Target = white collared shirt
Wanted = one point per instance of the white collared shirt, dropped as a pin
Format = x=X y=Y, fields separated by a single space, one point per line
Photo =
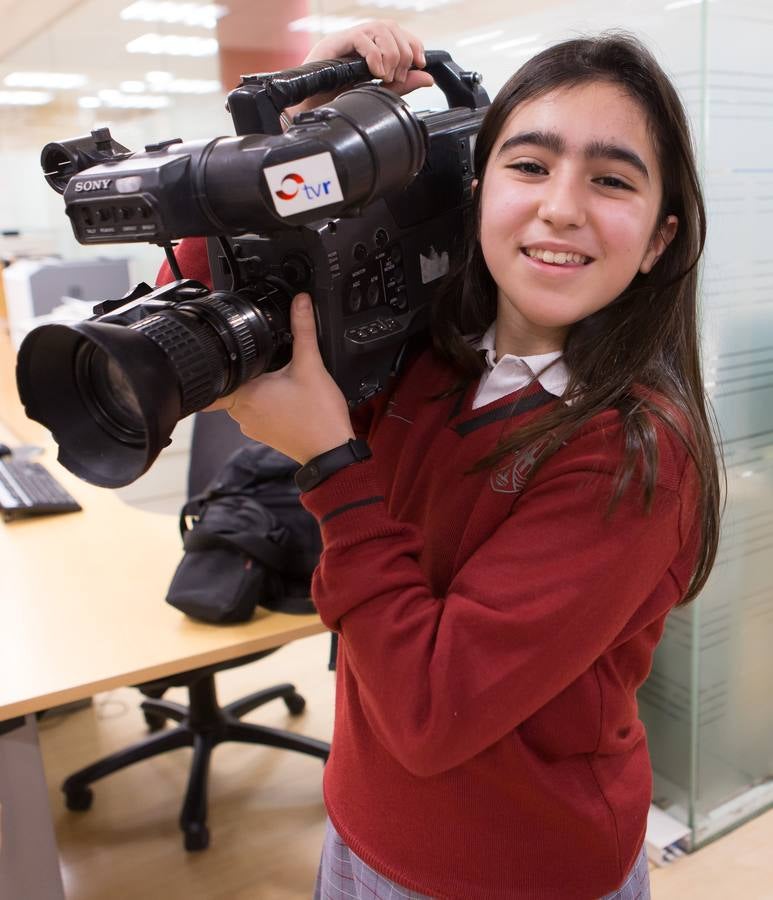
x=510 y=373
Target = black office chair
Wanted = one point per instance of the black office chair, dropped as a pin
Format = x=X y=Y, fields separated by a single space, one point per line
x=203 y=723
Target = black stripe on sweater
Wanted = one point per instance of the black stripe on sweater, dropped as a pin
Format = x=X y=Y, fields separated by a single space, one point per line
x=347 y=506
x=521 y=405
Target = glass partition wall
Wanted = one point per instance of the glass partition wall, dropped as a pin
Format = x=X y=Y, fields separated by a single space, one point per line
x=708 y=704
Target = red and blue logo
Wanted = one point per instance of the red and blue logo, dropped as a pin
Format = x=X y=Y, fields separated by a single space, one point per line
x=293 y=184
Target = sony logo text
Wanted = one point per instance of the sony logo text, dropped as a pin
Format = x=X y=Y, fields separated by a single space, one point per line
x=95 y=184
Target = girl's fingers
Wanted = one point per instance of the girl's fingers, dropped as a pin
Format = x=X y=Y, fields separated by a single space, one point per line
x=417 y=51
x=416 y=79
x=221 y=403
x=366 y=47
x=390 y=52
x=304 y=328
x=406 y=56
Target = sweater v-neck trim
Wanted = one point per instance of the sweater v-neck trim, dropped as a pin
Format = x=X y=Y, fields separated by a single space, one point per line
x=463 y=419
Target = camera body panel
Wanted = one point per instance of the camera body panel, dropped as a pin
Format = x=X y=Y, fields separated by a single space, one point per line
x=371 y=277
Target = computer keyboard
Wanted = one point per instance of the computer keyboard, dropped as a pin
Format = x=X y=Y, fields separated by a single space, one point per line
x=27 y=489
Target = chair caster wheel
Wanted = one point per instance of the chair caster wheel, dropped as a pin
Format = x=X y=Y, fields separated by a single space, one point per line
x=79 y=799
x=295 y=704
x=196 y=838
x=154 y=721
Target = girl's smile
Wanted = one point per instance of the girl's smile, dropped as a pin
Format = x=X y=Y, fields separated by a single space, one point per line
x=556 y=257
x=570 y=204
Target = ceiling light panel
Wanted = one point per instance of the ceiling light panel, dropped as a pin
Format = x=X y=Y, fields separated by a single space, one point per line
x=479 y=38
x=51 y=80
x=112 y=99
x=173 y=45
x=194 y=15
x=407 y=5
x=25 y=98
x=515 y=42
x=323 y=24
x=186 y=86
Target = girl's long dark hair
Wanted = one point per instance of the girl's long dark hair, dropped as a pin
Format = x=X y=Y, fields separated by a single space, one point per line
x=648 y=337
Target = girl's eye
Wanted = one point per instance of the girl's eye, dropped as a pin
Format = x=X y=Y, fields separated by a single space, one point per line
x=528 y=168
x=612 y=182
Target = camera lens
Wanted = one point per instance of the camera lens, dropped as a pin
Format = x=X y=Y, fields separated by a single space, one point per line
x=107 y=393
x=111 y=392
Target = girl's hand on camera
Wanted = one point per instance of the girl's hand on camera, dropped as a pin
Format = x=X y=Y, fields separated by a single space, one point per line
x=299 y=410
x=389 y=51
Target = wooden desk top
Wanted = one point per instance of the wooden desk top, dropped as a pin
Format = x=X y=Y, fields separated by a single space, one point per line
x=82 y=594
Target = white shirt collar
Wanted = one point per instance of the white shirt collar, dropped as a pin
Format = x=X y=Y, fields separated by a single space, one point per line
x=510 y=373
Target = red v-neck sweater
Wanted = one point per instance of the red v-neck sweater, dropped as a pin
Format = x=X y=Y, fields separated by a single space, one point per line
x=493 y=636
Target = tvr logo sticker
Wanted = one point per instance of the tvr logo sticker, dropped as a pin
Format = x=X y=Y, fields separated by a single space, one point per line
x=309 y=183
x=293 y=183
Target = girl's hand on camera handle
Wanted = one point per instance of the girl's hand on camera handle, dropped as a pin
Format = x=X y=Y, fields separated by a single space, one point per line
x=299 y=410
x=389 y=51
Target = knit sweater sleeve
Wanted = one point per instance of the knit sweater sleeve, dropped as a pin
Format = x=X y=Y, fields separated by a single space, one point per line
x=442 y=678
x=193 y=261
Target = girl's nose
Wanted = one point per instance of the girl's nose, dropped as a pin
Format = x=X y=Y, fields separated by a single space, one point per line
x=562 y=203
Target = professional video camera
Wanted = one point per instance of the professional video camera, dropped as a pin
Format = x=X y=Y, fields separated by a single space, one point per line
x=359 y=202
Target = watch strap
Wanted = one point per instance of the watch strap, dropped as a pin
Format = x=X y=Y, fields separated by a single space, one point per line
x=316 y=470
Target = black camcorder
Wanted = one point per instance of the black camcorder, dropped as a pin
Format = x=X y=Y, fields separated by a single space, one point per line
x=361 y=202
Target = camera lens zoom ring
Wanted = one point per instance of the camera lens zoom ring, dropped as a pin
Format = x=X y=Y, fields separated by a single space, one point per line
x=241 y=335
x=196 y=355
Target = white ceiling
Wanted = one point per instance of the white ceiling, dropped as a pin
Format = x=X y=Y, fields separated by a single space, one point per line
x=22 y=21
x=89 y=37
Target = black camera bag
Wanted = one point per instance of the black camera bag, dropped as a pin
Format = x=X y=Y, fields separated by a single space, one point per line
x=248 y=541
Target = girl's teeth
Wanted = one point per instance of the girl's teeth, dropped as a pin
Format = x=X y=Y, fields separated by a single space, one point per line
x=556 y=259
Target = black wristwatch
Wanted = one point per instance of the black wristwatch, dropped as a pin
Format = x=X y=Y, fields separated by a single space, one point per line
x=316 y=470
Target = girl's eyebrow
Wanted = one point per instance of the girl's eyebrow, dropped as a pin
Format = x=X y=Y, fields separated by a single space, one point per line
x=604 y=150
x=555 y=143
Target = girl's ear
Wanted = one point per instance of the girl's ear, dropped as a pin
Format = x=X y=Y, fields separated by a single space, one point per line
x=662 y=237
x=474 y=185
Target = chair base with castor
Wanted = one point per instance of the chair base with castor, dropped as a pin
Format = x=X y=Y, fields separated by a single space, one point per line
x=202 y=725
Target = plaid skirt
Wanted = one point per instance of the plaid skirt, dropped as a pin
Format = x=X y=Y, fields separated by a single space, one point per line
x=344 y=876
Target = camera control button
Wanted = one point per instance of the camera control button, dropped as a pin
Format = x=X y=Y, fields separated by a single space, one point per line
x=373 y=294
x=355 y=299
x=360 y=251
x=400 y=303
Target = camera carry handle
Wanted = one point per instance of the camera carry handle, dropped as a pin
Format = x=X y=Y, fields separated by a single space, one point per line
x=257 y=104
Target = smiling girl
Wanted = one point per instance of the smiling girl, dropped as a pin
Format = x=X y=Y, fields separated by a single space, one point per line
x=522 y=508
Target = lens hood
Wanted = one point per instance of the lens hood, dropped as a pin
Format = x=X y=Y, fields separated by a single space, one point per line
x=93 y=444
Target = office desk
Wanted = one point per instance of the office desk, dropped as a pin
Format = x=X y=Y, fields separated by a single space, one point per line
x=82 y=610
